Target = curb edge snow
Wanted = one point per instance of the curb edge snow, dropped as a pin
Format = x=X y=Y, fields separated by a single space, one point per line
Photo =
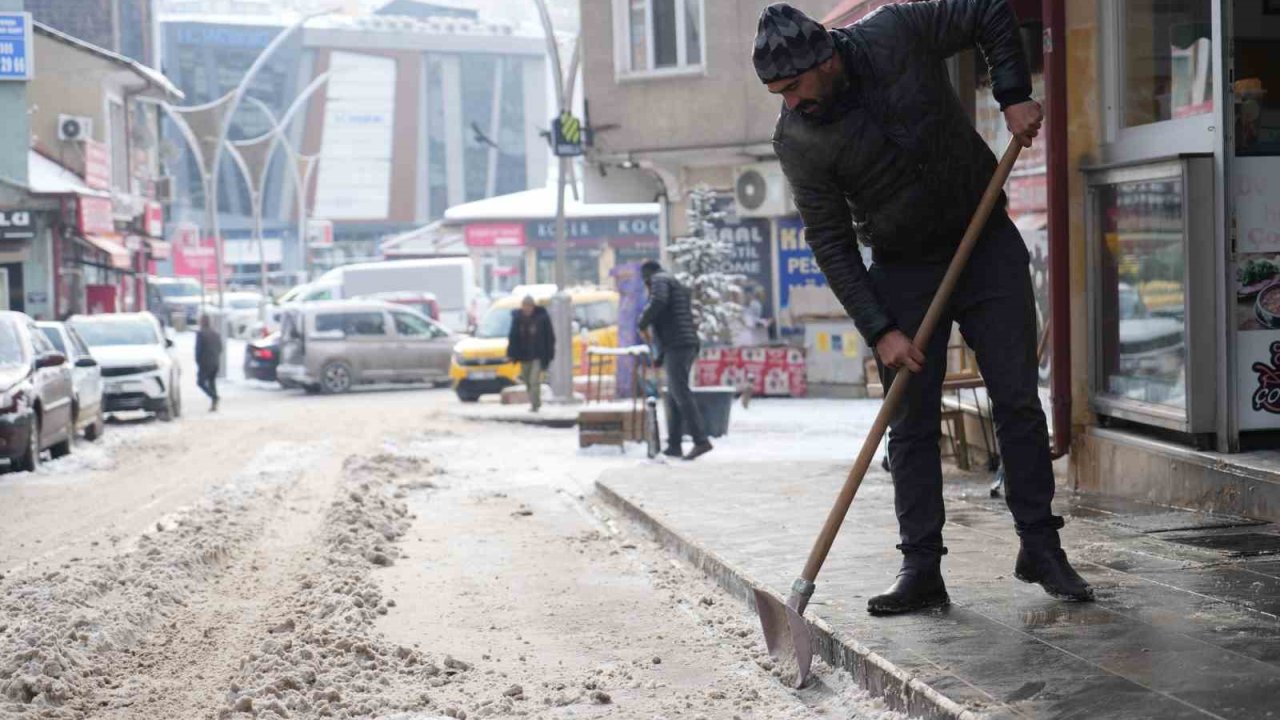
x=873 y=672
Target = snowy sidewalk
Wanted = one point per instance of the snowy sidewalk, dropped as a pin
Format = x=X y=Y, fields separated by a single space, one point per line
x=1185 y=625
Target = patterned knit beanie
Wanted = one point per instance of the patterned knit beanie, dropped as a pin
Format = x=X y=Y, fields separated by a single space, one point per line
x=789 y=43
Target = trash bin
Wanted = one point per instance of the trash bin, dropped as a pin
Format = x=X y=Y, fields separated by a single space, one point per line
x=714 y=404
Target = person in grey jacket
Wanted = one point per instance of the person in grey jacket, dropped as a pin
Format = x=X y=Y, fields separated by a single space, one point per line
x=877 y=148
x=208 y=360
x=669 y=312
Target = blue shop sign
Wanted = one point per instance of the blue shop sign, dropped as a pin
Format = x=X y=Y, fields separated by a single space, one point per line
x=16 y=50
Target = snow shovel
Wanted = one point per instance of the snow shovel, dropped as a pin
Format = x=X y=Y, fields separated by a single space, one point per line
x=785 y=632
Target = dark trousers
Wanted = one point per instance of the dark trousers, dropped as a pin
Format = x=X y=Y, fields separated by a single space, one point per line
x=683 y=415
x=207 y=380
x=995 y=307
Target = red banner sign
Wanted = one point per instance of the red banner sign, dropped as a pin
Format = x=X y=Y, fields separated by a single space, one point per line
x=97 y=165
x=95 y=216
x=193 y=256
x=153 y=220
x=484 y=235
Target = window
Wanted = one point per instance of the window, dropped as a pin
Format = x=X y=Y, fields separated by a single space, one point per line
x=413 y=326
x=356 y=323
x=39 y=341
x=660 y=35
x=1166 y=51
x=54 y=337
x=1141 y=304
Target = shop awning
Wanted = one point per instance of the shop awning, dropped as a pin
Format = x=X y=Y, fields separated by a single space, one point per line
x=113 y=246
x=46 y=177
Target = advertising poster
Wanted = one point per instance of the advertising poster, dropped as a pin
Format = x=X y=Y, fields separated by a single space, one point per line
x=631 y=300
x=355 y=154
x=751 y=259
x=797 y=268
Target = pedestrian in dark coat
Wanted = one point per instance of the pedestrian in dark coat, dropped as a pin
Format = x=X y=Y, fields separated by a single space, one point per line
x=878 y=149
x=208 y=360
x=669 y=314
x=532 y=343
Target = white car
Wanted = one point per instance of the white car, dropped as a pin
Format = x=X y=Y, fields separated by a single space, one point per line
x=137 y=360
x=87 y=409
x=242 y=308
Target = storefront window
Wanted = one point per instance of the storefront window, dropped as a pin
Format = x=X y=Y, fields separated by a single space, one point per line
x=1141 y=303
x=1168 y=60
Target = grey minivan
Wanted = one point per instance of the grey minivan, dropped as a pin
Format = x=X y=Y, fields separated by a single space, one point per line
x=332 y=346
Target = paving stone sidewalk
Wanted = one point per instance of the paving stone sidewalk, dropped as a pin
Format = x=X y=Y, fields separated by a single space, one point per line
x=1186 y=624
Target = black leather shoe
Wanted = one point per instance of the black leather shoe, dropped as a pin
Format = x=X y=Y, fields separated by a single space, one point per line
x=674 y=452
x=1049 y=568
x=698 y=451
x=919 y=586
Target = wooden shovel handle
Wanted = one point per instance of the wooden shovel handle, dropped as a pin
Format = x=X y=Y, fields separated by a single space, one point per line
x=898 y=390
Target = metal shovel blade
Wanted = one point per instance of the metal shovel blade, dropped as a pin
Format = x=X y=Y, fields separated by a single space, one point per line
x=787 y=636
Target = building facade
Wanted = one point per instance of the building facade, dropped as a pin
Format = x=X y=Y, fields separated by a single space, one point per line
x=85 y=228
x=126 y=27
x=419 y=113
x=1160 y=205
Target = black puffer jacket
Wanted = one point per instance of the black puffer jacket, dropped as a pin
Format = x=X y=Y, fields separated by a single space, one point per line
x=532 y=338
x=670 y=313
x=895 y=162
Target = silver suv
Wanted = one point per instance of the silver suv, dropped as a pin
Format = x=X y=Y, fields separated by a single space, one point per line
x=331 y=346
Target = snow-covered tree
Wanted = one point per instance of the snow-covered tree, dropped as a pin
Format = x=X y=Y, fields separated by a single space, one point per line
x=701 y=261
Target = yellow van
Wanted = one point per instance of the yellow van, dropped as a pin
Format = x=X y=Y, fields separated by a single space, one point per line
x=480 y=365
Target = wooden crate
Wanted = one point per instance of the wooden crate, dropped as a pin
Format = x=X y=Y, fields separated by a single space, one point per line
x=609 y=426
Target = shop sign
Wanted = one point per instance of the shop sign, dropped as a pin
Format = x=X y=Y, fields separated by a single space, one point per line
x=193 y=256
x=97 y=165
x=1259 y=381
x=16 y=50
x=320 y=233
x=1256 y=189
x=750 y=258
x=37 y=297
x=491 y=235
x=95 y=216
x=17 y=225
x=618 y=232
x=796 y=265
x=153 y=220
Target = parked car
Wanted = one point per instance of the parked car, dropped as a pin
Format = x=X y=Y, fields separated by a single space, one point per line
x=35 y=394
x=480 y=365
x=242 y=310
x=261 y=357
x=423 y=302
x=87 y=410
x=169 y=295
x=138 y=363
x=332 y=346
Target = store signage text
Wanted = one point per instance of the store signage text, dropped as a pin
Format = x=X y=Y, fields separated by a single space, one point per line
x=487 y=235
x=16 y=48
x=601 y=230
x=95 y=216
x=1266 y=398
x=16 y=225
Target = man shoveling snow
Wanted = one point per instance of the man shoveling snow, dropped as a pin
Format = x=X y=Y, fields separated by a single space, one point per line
x=877 y=149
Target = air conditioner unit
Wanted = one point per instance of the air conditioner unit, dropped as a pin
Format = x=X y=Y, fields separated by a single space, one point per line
x=74 y=128
x=761 y=190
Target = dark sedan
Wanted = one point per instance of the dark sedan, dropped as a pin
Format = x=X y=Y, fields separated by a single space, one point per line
x=261 y=356
x=36 y=394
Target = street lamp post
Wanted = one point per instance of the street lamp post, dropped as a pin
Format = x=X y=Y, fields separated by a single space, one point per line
x=561 y=308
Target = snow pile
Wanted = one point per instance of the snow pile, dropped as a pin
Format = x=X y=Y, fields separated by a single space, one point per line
x=59 y=629
x=99 y=455
x=324 y=658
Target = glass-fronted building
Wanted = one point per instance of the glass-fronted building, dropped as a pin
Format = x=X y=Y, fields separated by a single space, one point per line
x=419 y=113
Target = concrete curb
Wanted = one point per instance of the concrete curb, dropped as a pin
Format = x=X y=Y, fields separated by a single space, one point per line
x=900 y=690
x=550 y=420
